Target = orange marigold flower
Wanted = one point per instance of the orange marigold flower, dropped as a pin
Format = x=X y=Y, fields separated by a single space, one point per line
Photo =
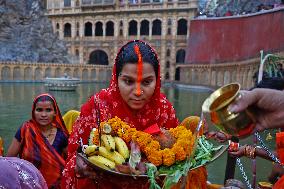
x=168 y=157
x=150 y=147
x=179 y=152
x=156 y=157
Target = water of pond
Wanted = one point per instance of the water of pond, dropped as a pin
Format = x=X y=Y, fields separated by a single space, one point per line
x=16 y=100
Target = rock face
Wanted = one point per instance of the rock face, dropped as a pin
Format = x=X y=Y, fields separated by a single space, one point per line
x=216 y=8
x=26 y=34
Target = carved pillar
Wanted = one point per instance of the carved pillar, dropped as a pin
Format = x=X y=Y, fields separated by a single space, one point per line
x=125 y=27
x=138 y=28
x=163 y=59
x=73 y=29
x=116 y=28
x=104 y=29
x=82 y=25
x=164 y=26
x=173 y=61
x=61 y=29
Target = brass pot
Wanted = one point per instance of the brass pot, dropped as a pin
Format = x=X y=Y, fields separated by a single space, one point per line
x=216 y=105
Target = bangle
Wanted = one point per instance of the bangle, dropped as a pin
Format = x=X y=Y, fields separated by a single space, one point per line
x=250 y=151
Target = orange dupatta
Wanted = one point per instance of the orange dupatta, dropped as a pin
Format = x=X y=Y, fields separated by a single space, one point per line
x=36 y=149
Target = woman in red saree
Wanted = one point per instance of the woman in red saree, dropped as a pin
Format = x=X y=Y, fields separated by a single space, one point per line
x=134 y=96
x=43 y=139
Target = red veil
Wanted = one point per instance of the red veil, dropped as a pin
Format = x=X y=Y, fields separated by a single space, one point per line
x=110 y=103
x=37 y=150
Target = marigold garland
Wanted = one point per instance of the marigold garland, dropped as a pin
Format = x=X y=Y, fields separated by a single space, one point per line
x=150 y=147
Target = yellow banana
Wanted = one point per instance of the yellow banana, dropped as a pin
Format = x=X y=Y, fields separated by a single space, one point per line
x=108 y=142
x=121 y=147
x=113 y=156
x=102 y=162
x=91 y=150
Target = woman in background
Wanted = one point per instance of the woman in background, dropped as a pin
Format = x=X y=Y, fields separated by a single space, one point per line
x=43 y=140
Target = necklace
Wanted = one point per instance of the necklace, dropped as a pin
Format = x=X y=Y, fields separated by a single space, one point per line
x=47 y=136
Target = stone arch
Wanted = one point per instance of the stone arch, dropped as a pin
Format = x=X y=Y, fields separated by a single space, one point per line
x=144 y=29
x=76 y=73
x=213 y=79
x=234 y=76
x=67 y=30
x=99 y=29
x=245 y=78
x=27 y=74
x=88 y=31
x=109 y=28
x=157 y=27
x=77 y=53
x=6 y=73
x=47 y=72
x=85 y=74
x=227 y=77
x=204 y=77
x=220 y=78
x=58 y=72
x=182 y=27
x=38 y=74
x=132 y=28
x=67 y=71
x=250 y=81
x=17 y=73
x=94 y=74
x=99 y=57
x=180 y=56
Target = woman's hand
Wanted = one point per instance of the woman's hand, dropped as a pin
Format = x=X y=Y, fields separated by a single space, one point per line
x=218 y=136
x=82 y=170
x=267 y=105
x=239 y=153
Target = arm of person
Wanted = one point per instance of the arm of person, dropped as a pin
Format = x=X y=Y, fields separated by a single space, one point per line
x=267 y=106
x=14 y=148
x=262 y=153
x=277 y=171
x=251 y=152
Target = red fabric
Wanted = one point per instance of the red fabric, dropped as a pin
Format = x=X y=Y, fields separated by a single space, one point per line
x=37 y=150
x=153 y=129
x=158 y=111
x=280 y=145
x=279 y=184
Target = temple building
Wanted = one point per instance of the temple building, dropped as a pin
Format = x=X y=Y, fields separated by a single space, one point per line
x=94 y=30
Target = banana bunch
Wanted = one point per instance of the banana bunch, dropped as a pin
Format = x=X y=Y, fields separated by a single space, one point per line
x=106 y=156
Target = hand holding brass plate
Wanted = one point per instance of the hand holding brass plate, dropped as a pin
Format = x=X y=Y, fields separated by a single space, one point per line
x=236 y=124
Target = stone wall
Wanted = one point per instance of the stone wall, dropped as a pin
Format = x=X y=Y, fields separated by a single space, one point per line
x=36 y=72
x=216 y=75
x=191 y=74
